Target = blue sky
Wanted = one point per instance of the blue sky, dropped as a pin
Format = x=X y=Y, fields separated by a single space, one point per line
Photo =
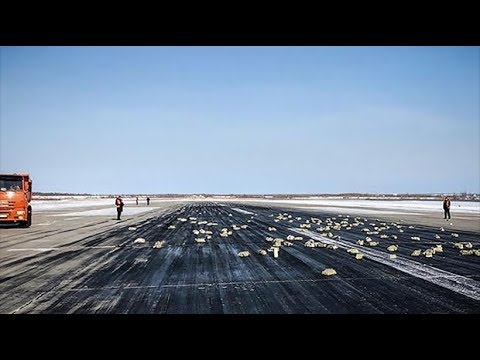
x=242 y=119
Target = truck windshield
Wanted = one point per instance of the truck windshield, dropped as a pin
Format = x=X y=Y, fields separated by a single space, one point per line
x=10 y=183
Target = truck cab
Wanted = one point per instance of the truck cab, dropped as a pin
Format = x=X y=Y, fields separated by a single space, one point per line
x=15 y=197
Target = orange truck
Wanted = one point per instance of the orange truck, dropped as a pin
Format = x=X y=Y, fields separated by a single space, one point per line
x=15 y=197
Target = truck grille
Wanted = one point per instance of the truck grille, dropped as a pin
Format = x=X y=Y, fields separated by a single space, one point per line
x=5 y=204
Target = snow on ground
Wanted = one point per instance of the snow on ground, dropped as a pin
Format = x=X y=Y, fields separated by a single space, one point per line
x=469 y=207
x=53 y=205
x=111 y=211
x=45 y=205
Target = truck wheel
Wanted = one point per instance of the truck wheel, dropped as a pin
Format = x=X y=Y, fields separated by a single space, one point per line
x=29 y=218
x=28 y=223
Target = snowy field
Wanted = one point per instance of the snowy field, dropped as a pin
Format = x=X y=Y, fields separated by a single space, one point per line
x=52 y=205
x=111 y=211
x=390 y=205
x=104 y=207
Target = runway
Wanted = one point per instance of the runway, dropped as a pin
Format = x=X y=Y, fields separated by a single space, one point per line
x=92 y=264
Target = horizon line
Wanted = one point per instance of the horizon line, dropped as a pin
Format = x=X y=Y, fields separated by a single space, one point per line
x=261 y=194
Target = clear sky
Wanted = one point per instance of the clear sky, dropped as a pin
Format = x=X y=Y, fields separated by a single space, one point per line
x=242 y=119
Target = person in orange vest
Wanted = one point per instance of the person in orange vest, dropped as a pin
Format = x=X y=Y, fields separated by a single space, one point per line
x=119 y=206
x=446 y=207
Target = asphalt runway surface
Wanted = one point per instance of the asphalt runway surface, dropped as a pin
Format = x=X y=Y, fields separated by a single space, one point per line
x=93 y=265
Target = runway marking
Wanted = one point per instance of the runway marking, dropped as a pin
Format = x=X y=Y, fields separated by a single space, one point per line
x=457 y=283
x=44 y=224
x=243 y=211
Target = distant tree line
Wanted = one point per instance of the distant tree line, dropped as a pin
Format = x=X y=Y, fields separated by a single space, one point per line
x=464 y=196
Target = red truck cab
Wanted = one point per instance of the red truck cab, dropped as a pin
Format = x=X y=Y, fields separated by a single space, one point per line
x=15 y=197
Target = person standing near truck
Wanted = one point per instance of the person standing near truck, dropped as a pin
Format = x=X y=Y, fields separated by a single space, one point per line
x=119 y=206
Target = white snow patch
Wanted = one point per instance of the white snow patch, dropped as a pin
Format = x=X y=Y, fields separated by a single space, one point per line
x=40 y=204
x=46 y=205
